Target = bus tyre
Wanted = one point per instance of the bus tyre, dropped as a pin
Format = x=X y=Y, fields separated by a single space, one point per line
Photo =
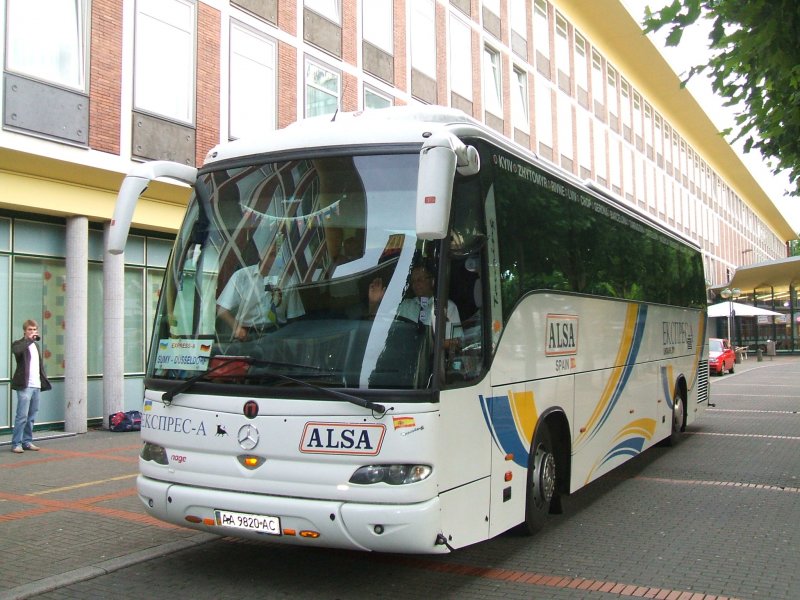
x=678 y=414
x=541 y=488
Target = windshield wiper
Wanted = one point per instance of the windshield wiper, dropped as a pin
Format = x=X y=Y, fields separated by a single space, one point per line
x=185 y=385
x=167 y=396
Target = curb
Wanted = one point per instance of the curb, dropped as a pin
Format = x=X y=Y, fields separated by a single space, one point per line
x=48 y=584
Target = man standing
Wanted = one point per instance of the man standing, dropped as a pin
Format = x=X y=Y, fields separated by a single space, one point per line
x=29 y=379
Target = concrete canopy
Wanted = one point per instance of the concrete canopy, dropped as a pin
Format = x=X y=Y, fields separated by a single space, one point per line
x=776 y=274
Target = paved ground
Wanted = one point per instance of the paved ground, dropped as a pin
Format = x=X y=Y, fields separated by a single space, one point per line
x=718 y=516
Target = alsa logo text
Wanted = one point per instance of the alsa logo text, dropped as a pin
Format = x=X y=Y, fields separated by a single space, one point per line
x=561 y=335
x=342 y=438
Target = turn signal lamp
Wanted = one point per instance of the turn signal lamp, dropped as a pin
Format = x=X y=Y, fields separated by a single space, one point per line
x=250 y=461
x=309 y=534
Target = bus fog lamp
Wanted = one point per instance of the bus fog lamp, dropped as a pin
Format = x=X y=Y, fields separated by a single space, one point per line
x=154 y=452
x=399 y=474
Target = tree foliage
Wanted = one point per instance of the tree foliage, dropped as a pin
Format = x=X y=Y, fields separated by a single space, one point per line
x=754 y=65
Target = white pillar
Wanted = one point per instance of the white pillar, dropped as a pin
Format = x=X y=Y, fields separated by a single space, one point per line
x=113 y=331
x=75 y=325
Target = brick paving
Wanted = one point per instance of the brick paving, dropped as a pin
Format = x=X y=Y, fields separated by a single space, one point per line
x=717 y=516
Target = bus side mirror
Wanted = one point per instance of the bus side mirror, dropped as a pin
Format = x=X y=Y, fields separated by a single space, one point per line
x=439 y=159
x=134 y=184
x=437 y=168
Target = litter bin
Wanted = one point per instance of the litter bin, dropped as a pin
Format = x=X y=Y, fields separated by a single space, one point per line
x=770 y=348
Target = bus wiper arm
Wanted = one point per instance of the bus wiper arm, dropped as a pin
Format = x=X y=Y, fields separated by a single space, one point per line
x=167 y=396
x=374 y=406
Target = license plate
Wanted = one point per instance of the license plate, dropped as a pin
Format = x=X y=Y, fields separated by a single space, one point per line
x=259 y=523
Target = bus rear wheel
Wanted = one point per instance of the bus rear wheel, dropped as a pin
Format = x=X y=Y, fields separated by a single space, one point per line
x=678 y=414
x=541 y=488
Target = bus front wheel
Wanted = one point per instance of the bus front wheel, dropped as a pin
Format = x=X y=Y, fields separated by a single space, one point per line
x=541 y=489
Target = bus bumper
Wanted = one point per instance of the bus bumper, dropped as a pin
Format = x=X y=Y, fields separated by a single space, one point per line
x=407 y=528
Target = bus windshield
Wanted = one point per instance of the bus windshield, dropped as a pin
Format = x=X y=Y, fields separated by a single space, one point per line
x=298 y=269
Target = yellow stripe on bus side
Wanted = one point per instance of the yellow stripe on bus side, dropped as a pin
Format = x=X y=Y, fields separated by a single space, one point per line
x=613 y=381
x=523 y=407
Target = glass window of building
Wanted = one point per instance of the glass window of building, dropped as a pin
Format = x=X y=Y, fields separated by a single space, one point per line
x=323 y=89
x=627 y=173
x=638 y=179
x=598 y=85
x=423 y=37
x=47 y=39
x=564 y=116
x=614 y=165
x=600 y=156
x=164 y=72
x=542 y=98
x=562 y=53
x=625 y=109
x=38 y=293
x=252 y=108
x=330 y=9
x=581 y=65
x=584 y=148
x=519 y=18
x=492 y=81
x=13 y=330
x=541 y=36
x=460 y=58
x=611 y=96
x=375 y=99
x=520 y=113
x=378 y=24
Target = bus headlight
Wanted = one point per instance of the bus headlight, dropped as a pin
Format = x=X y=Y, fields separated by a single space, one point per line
x=158 y=454
x=391 y=474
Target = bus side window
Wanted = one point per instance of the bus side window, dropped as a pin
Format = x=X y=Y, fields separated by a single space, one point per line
x=467 y=242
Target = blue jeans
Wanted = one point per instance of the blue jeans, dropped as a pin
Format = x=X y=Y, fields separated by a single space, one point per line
x=27 y=407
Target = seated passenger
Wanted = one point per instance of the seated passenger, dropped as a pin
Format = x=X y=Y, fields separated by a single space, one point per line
x=419 y=308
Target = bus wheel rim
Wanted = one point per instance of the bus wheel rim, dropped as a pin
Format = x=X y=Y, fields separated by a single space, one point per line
x=677 y=414
x=546 y=479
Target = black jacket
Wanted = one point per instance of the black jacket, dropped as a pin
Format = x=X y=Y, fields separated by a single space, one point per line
x=20 y=379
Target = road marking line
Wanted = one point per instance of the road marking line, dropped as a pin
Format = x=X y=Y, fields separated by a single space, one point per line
x=738 y=484
x=753 y=410
x=746 y=435
x=82 y=485
x=716 y=395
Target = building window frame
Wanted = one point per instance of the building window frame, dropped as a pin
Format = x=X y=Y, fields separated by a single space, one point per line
x=164 y=72
x=325 y=82
x=252 y=81
x=48 y=40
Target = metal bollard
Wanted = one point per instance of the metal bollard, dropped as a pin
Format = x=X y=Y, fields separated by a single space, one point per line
x=760 y=355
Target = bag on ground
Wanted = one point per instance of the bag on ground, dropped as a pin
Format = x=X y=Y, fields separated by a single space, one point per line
x=125 y=421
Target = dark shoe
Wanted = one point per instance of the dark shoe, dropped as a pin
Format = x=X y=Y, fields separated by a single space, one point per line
x=17 y=450
x=31 y=447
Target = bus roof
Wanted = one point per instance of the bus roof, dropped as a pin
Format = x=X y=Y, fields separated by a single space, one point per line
x=397 y=124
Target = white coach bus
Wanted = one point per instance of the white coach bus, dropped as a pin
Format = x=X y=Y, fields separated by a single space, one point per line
x=303 y=388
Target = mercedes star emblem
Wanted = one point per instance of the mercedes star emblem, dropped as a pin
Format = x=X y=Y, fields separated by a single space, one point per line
x=248 y=437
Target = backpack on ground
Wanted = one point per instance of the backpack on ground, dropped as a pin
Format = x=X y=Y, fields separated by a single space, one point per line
x=125 y=421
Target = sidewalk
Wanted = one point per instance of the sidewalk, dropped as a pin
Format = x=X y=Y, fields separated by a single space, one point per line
x=752 y=362
x=70 y=512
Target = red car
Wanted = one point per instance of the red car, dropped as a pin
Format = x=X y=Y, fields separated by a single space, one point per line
x=721 y=356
